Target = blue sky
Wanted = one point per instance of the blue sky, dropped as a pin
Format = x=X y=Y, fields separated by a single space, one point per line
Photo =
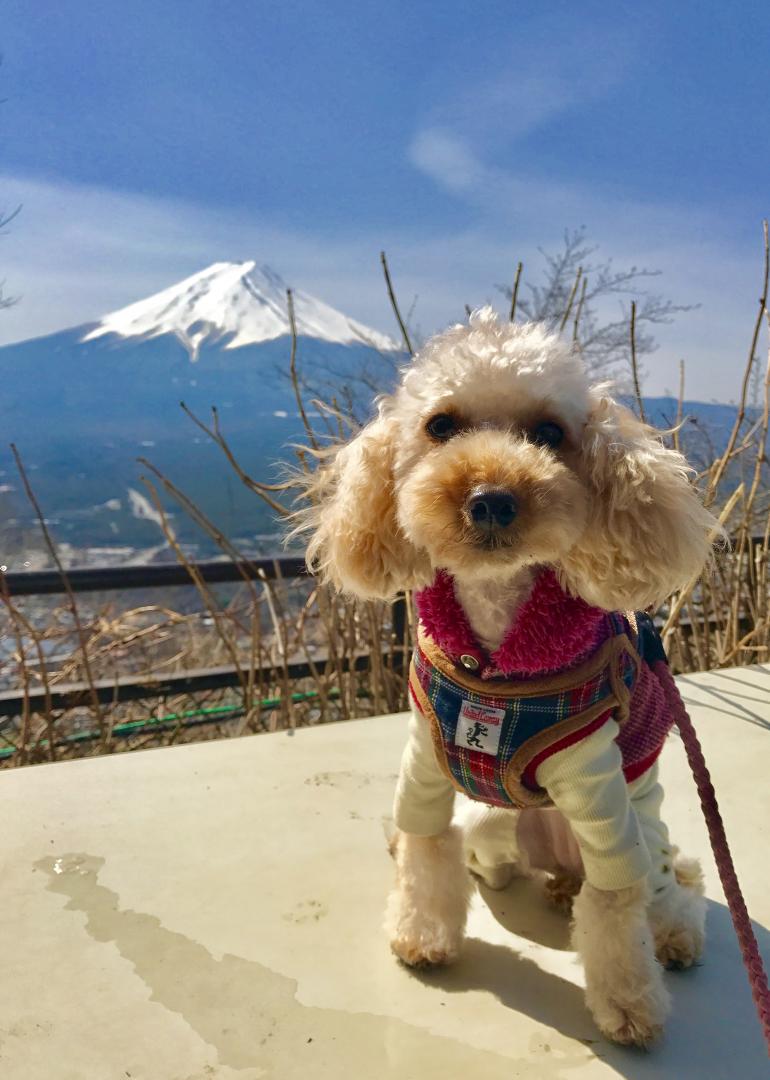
x=146 y=140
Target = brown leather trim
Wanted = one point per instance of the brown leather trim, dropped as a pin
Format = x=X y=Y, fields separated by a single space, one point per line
x=619 y=688
x=618 y=700
x=507 y=688
x=512 y=778
x=523 y=797
x=429 y=713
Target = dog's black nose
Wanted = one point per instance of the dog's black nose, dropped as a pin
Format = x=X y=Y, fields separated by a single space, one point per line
x=491 y=508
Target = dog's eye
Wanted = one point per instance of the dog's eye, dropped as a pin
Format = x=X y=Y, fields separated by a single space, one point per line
x=548 y=434
x=442 y=426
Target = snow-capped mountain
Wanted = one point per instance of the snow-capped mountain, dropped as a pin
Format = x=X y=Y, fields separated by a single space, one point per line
x=84 y=403
x=238 y=304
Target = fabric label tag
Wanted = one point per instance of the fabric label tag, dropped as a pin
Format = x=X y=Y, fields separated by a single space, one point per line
x=479 y=727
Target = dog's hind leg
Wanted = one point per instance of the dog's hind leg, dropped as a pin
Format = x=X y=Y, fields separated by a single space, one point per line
x=427 y=909
x=678 y=915
x=561 y=889
x=491 y=847
x=677 y=911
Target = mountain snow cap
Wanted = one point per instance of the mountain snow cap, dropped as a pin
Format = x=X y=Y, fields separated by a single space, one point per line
x=239 y=301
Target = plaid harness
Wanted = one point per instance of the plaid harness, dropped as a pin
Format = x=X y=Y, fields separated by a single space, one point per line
x=491 y=735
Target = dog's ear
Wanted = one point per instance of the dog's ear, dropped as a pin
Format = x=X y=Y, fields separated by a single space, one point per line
x=355 y=540
x=648 y=532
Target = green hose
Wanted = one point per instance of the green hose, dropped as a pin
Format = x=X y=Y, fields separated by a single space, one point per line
x=129 y=727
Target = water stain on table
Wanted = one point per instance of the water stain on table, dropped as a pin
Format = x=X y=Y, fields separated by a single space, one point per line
x=252 y=1017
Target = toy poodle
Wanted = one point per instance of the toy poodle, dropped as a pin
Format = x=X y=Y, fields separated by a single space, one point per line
x=536 y=519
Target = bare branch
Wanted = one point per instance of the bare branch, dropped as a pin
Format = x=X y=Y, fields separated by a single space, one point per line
x=293 y=370
x=73 y=606
x=721 y=465
x=578 y=313
x=635 y=366
x=679 y=408
x=394 y=304
x=515 y=291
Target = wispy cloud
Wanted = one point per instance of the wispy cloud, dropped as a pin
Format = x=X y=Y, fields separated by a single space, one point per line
x=447 y=159
x=522 y=81
x=474 y=143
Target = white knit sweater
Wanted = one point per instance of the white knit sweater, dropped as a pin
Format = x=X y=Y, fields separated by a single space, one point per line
x=617 y=825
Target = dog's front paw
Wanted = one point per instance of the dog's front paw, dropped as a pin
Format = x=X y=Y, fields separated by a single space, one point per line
x=637 y=1022
x=624 y=982
x=426 y=911
x=420 y=937
x=429 y=945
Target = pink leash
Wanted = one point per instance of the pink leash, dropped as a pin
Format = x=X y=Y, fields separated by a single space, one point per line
x=732 y=890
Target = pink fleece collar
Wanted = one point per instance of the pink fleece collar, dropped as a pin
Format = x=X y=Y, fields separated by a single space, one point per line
x=551 y=631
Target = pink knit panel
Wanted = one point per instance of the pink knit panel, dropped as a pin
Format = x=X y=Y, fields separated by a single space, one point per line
x=650 y=720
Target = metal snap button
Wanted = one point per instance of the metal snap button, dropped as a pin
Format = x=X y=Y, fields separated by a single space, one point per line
x=469 y=662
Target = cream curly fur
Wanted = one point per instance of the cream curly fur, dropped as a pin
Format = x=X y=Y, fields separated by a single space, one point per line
x=611 y=509
x=615 y=511
x=356 y=542
x=624 y=981
x=428 y=907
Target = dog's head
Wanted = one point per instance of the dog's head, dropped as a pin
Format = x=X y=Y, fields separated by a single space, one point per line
x=496 y=453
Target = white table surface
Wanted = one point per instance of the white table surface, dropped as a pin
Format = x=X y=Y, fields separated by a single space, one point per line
x=213 y=912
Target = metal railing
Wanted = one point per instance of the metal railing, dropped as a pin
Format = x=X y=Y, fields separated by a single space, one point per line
x=117 y=578
x=127 y=688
